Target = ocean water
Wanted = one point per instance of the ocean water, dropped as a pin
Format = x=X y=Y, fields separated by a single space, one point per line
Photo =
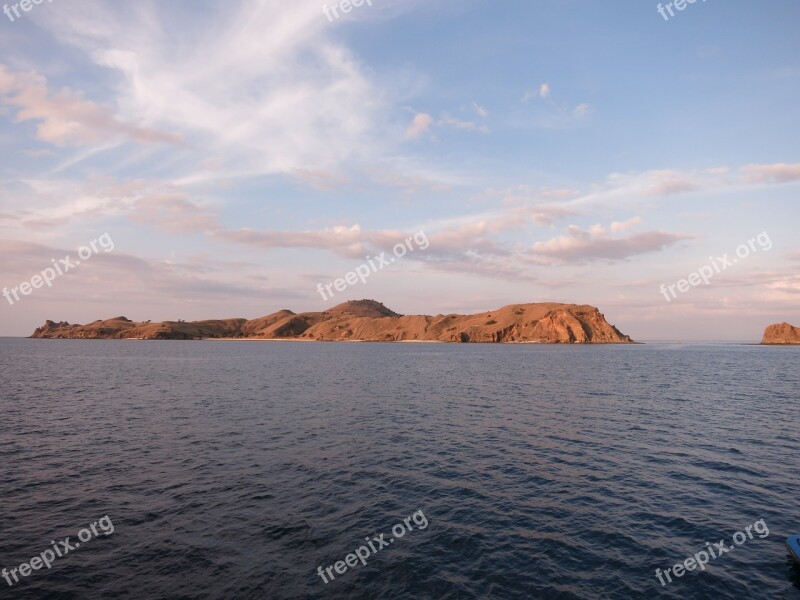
x=235 y=470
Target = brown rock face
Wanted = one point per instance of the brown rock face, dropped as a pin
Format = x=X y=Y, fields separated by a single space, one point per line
x=97 y=330
x=368 y=320
x=781 y=333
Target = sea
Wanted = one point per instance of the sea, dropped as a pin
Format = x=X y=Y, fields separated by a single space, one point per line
x=272 y=470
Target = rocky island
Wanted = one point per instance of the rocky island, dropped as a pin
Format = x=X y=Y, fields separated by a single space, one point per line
x=369 y=320
x=781 y=333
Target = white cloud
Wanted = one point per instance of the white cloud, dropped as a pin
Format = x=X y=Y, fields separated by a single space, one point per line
x=265 y=89
x=582 y=110
x=479 y=110
x=454 y=123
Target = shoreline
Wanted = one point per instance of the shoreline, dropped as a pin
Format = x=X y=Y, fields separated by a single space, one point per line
x=536 y=343
x=526 y=343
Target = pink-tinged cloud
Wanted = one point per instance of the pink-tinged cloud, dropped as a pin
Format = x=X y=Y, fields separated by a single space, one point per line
x=321 y=179
x=774 y=173
x=617 y=226
x=668 y=182
x=64 y=117
x=595 y=244
x=419 y=125
x=173 y=212
x=344 y=240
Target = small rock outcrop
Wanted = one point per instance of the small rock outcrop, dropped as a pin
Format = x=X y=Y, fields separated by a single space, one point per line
x=781 y=333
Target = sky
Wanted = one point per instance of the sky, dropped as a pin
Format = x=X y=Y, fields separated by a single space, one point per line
x=230 y=159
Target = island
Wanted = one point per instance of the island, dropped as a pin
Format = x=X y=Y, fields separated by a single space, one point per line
x=781 y=334
x=371 y=321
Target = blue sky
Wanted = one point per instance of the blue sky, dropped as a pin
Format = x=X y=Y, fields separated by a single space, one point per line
x=240 y=153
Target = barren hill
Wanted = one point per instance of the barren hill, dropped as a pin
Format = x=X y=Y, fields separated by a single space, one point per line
x=781 y=333
x=368 y=320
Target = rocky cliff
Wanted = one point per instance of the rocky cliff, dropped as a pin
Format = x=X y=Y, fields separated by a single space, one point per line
x=368 y=320
x=781 y=333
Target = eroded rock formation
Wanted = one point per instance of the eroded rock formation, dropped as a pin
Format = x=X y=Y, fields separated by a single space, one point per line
x=781 y=333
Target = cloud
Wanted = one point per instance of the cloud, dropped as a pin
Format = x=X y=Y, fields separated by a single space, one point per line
x=595 y=244
x=582 y=110
x=64 y=117
x=479 y=110
x=118 y=282
x=527 y=194
x=466 y=244
x=49 y=204
x=38 y=152
x=552 y=114
x=321 y=179
x=267 y=87
x=413 y=178
x=784 y=287
x=616 y=227
x=660 y=183
x=771 y=173
x=543 y=92
x=173 y=212
x=652 y=183
x=343 y=240
x=420 y=124
x=423 y=122
x=452 y=122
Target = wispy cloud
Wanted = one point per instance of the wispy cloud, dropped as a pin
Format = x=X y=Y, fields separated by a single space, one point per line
x=479 y=110
x=582 y=110
x=173 y=212
x=774 y=173
x=661 y=183
x=268 y=91
x=449 y=121
x=598 y=244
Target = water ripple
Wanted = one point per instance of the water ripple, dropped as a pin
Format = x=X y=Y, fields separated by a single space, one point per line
x=234 y=470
